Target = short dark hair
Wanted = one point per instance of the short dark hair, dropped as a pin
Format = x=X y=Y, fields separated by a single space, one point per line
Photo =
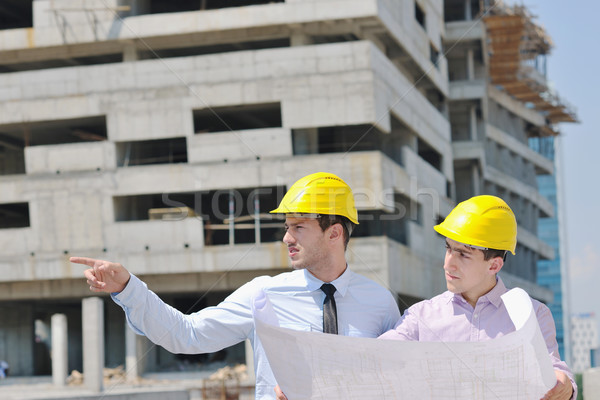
x=493 y=253
x=325 y=221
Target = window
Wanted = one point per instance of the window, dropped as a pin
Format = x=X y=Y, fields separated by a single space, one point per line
x=157 y=52
x=243 y=212
x=321 y=39
x=146 y=152
x=340 y=139
x=390 y=224
x=65 y=61
x=236 y=118
x=381 y=223
x=434 y=56
x=15 y=137
x=429 y=154
x=198 y=50
x=14 y=215
x=12 y=159
x=459 y=10
x=39 y=133
x=168 y=6
x=16 y=14
x=241 y=215
x=420 y=15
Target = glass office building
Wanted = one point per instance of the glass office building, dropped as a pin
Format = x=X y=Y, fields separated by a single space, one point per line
x=552 y=273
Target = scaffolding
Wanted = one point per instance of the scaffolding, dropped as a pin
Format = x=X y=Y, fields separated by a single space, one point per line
x=517 y=48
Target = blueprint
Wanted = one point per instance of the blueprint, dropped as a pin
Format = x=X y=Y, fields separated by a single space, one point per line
x=313 y=365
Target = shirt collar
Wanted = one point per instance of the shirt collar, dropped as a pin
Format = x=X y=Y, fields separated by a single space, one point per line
x=341 y=283
x=493 y=296
x=449 y=296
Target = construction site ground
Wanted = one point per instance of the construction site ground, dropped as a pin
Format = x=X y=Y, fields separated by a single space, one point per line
x=158 y=386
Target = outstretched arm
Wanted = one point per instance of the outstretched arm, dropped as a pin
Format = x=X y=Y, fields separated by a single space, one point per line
x=104 y=276
x=208 y=330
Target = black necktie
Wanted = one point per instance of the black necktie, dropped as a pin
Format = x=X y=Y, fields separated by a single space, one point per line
x=329 y=310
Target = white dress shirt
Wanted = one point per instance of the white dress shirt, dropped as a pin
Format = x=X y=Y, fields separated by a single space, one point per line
x=364 y=309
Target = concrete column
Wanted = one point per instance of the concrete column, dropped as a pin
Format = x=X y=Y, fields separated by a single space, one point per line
x=306 y=141
x=93 y=342
x=473 y=122
x=299 y=38
x=131 y=360
x=146 y=354
x=470 y=64
x=250 y=361
x=130 y=52
x=60 y=359
x=476 y=186
x=468 y=15
x=404 y=137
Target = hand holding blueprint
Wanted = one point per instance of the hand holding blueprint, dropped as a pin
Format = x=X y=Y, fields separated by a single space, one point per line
x=312 y=365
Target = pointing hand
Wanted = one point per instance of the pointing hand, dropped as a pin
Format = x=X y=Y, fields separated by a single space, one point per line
x=104 y=276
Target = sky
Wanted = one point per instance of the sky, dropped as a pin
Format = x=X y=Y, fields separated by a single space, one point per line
x=574 y=71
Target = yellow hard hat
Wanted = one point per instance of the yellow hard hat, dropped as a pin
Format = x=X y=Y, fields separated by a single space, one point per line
x=319 y=193
x=482 y=221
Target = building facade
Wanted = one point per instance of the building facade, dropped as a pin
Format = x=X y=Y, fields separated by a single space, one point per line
x=159 y=134
x=553 y=273
x=585 y=341
x=504 y=119
x=498 y=100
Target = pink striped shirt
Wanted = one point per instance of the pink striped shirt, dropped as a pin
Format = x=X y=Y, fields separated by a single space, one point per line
x=448 y=317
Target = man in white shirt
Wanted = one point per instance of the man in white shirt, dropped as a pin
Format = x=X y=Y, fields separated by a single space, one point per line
x=320 y=216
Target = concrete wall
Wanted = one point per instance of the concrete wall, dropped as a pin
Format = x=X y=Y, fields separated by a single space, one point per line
x=73 y=212
x=313 y=86
x=70 y=157
x=49 y=16
x=240 y=145
x=66 y=24
x=367 y=172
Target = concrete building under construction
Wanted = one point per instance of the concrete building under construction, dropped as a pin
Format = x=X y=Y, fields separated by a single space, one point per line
x=159 y=134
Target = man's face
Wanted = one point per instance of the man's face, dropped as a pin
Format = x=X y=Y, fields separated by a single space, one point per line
x=467 y=272
x=305 y=241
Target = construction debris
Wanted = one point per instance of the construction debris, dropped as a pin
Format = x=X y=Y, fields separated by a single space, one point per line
x=75 y=378
x=238 y=373
x=225 y=384
x=111 y=376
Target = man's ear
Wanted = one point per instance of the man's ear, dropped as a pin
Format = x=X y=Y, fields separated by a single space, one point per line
x=336 y=232
x=496 y=265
